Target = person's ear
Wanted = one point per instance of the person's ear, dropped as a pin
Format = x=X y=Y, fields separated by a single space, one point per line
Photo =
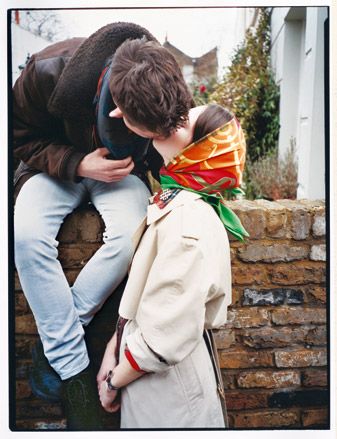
x=117 y=112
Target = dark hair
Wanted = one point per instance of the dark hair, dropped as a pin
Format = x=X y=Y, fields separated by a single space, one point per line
x=213 y=117
x=147 y=84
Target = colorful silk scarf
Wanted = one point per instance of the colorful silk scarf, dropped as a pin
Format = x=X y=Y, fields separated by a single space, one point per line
x=211 y=167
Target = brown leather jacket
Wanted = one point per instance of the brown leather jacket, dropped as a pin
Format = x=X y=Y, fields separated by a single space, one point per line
x=53 y=111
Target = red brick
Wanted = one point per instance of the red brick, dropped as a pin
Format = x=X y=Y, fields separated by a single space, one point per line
x=21 y=305
x=92 y=231
x=17 y=284
x=315 y=417
x=243 y=400
x=273 y=252
x=277 y=220
x=252 y=217
x=269 y=379
x=72 y=256
x=237 y=294
x=240 y=359
x=249 y=274
x=39 y=409
x=22 y=389
x=22 y=369
x=301 y=358
x=269 y=337
x=229 y=379
x=248 y=317
x=317 y=294
x=297 y=315
x=70 y=229
x=23 y=345
x=71 y=275
x=224 y=338
x=316 y=336
x=298 y=273
x=300 y=217
x=315 y=378
x=266 y=418
x=25 y=324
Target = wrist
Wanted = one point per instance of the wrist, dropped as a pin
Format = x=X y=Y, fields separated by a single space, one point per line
x=110 y=385
x=80 y=171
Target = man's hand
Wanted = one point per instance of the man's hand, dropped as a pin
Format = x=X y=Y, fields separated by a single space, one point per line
x=107 y=398
x=96 y=166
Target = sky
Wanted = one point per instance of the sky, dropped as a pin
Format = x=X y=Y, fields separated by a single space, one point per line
x=195 y=31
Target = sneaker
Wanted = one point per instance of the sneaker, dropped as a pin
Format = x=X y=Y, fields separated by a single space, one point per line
x=44 y=381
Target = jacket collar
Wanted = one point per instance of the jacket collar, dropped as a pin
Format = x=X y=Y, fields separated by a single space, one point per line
x=154 y=213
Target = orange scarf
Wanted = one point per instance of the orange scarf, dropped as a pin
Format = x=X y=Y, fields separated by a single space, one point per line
x=212 y=166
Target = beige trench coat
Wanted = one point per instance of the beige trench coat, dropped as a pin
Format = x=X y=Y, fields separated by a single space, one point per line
x=179 y=284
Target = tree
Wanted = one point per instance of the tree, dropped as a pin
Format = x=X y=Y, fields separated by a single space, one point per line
x=43 y=23
x=248 y=89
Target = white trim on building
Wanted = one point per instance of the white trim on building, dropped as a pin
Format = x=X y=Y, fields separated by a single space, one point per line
x=297 y=56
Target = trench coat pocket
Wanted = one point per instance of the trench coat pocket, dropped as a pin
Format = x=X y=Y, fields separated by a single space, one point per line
x=190 y=383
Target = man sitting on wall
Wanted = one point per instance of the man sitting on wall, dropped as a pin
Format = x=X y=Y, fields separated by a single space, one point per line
x=74 y=145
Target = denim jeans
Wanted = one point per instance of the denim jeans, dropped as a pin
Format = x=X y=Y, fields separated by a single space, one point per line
x=61 y=311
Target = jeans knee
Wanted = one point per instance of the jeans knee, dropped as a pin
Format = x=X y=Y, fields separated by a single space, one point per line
x=32 y=245
x=120 y=246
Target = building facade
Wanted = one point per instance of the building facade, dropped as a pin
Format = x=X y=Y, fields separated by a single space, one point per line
x=195 y=69
x=298 y=55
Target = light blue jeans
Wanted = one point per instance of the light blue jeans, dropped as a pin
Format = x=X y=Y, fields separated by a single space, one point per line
x=61 y=311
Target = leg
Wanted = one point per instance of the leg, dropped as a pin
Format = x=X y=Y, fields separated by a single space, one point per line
x=40 y=210
x=122 y=206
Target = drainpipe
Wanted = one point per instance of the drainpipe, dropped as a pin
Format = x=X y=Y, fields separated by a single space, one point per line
x=17 y=17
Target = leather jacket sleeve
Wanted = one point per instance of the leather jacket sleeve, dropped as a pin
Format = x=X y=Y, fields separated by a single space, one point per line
x=38 y=137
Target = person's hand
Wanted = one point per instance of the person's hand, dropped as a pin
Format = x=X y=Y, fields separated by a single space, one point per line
x=107 y=398
x=108 y=362
x=96 y=166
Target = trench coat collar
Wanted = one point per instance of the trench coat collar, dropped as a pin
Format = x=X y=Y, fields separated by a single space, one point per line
x=154 y=213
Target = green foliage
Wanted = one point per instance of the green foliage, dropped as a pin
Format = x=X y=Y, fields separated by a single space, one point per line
x=249 y=90
x=202 y=90
x=271 y=177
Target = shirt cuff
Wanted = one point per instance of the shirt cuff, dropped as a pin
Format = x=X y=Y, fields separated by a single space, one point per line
x=132 y=361
x=68 y=168
x=146 y=359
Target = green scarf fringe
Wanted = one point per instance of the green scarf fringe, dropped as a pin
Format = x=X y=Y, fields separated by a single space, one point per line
x=229 y=219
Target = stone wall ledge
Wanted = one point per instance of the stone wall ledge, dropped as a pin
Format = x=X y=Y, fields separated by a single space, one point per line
x=282 y=219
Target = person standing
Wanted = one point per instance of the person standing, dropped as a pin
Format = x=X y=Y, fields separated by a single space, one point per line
x=160 y=366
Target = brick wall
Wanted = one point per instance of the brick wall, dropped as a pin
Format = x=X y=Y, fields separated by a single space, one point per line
x=273 y=348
